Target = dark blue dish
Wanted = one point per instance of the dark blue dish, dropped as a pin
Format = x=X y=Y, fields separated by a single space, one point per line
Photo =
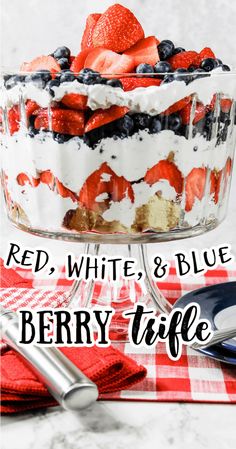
x=213 y=300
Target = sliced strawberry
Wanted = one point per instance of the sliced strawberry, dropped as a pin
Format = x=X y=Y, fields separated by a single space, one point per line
x=30 y=107
x=144 y=51
x=204 y=54
x=225 y=104
x=104 y=181
x=200 y=112
x=78 y=62
x=195 y=186
x=75 y=101
x=64 y=121
x=109 y=62
x=13 y=119
x=177 y=106
x=165 y=170
x=183 y=60
x=46 y=177
x=24 y=179
x=131 y=83
x=42 y=63
x=117 y=29
x=88 y=32
x=64 y=191
x=103 y=116
x=215 y=181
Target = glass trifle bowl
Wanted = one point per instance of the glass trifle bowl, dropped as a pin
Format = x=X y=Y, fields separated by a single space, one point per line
x=119 y=160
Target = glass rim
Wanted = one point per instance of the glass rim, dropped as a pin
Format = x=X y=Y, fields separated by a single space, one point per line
x=11 y=71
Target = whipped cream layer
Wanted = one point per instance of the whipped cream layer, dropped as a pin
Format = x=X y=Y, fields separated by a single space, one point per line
x=73 y=161
x=152 y=100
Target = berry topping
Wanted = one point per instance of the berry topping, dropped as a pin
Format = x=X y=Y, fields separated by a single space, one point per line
x=208 y=64
x=114 y=82
x=79 y=61
x=183 y=60
x=103 y=116
x=62 y=120
x=51 y=84
x=225 y=68
x=144 y=68
x=89 y=76
x=42 y=63
x=195 y=186
x=88 y=32
x=204 y=54
x=117 y=29
x=64 y=191
x=104 y=182
x=141 y=121
x=178 y=50
x=156 y=125
x=165 y=49
x=61 y=52
x=131 y=83
x=162 y=67
x=165 y=170
x=200 y=112
x=67 y=76
x=13 y=119
x=109 y=62
x=144 y=52
x=75 y=101
x=63 y=63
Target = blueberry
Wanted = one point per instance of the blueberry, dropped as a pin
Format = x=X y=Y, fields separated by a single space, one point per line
x=61 y=52
x=114 y=82
x=63 y=63
x=36 y=78
x=168 y=78
x=180 y=75
x=12 y=81
x=155 y=126
x=32 y=131
x=162 y=67
x=174 y=122
x=125 y=125
x=192 y=68
x=61 y=138
x=141 y=121
x=208 y=64
x=144 y=68
x=52 y=83
x=165 y=49
x=225 y=68
x=199 y=73
x=91 y=78
x=67 y=76
x=219 y=62
x=45 y=75
x=178 y=50
x=87 y=70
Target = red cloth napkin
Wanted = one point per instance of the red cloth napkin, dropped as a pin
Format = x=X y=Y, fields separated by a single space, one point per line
x=21 y=390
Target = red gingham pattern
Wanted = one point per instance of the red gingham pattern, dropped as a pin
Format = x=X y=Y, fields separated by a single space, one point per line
x=194 y=378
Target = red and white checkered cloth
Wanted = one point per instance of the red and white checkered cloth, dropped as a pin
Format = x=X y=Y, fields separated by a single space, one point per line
x=194 y=378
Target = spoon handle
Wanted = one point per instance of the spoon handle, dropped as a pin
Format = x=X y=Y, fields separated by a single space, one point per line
x=218 y=337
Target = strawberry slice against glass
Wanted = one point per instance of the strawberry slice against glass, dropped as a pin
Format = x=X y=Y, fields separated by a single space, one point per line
x=165 y=170
x=103 y=186
x=63 y=121
x=75 y=101
x=41 y=63
x=103 y=116
x=131 y=82
x=195 y=186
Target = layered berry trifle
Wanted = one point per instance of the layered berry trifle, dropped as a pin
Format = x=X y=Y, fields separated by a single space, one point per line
x=132 y=136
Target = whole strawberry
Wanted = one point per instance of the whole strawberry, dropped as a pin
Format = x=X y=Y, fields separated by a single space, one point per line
x=117 y=29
